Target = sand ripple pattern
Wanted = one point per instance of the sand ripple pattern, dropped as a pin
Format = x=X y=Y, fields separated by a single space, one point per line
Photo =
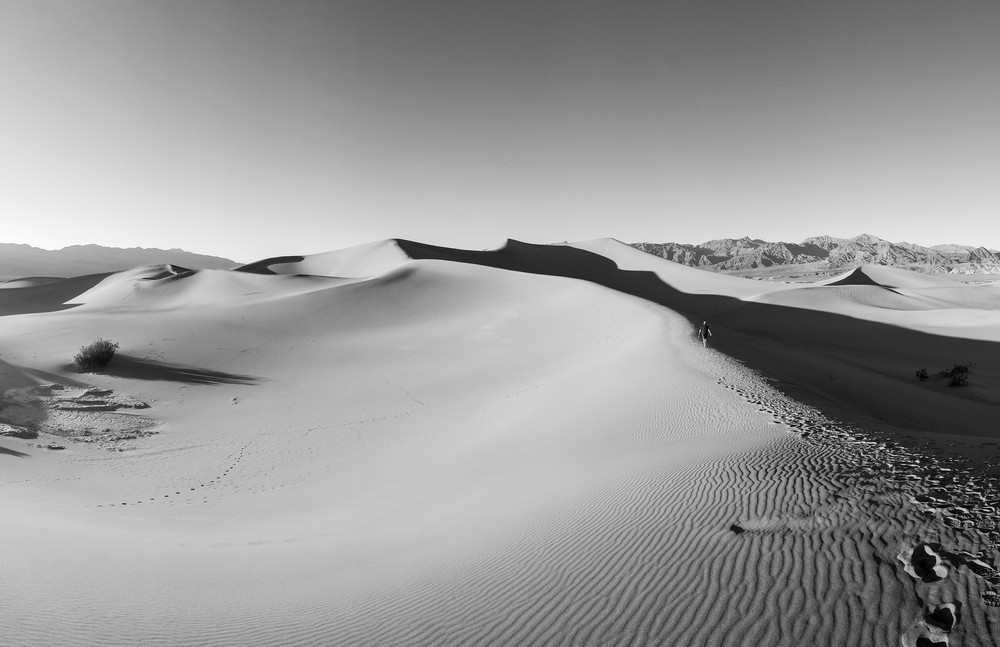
x=779 y=527
x=791 y=544
x=795 y=541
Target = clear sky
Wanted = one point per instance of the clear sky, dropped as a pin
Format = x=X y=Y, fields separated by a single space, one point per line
x=251 y=129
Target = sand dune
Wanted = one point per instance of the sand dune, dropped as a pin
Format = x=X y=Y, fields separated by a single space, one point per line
x=167 y=288
x=357 y=262
x=35 y=297
x=857 y=367
x=401 y=444
x=27 y=282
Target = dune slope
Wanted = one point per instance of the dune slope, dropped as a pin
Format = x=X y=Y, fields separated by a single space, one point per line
x=849 y=350
x=447 y=453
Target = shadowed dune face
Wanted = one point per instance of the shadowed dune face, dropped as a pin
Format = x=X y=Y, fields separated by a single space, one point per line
x=264 y=266
x=47 y=297
x=479 y=454
x=856 y=277
x=28 y=281
x=845 y=366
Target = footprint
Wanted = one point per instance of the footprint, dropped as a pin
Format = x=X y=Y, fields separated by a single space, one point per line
x=933 y=629
x=925 y=562
x=944 y=616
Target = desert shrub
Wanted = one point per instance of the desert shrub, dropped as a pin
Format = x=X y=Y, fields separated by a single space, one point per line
x=958 y=375
x=922 y=374
x=95 y=355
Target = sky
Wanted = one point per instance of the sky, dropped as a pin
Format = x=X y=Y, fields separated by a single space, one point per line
x=250 y=129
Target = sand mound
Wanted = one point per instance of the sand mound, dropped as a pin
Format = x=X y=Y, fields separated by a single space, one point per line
x=519 y=447
x=952 y=310
x=888 y=277
x=852 y=354
x=164 y=288
x=355 y=262
x=856 y=276
x=45 y=297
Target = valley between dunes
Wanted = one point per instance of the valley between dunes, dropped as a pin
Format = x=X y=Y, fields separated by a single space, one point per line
x=402 y=444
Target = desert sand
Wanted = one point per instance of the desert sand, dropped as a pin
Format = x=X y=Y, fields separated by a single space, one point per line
x=402 y=444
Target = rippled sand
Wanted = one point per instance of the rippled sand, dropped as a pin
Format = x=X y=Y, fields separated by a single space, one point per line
x=421 y=452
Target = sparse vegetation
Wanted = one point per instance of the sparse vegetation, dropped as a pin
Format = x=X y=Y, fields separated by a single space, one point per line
x=958 y=375
x=95 y=355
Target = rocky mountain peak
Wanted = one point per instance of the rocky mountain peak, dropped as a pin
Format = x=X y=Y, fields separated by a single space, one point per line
x=826 y=253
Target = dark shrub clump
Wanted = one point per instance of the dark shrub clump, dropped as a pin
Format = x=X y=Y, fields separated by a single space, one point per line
x=95 y=355
x=958 y=375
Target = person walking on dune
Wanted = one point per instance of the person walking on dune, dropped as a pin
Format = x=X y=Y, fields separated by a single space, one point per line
x=704 y=333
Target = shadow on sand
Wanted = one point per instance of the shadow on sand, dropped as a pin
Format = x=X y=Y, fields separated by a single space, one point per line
x=14 y=376
x=47 y=297
x=264 y=266
x=846 y=367
x=146 y=369
x=12 y=452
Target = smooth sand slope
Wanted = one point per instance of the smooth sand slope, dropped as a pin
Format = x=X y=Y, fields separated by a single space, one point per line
x=400 y=444
x=851 y=349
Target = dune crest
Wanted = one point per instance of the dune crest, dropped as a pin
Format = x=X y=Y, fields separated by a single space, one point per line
x=409 y=444
x=362 y=261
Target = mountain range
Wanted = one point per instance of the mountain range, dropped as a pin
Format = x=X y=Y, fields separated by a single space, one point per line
x=21 y=261
x=748 y=257
x=821 y=255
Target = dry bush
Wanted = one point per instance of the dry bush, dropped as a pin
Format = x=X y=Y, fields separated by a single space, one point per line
x=958 y=375
x=95 y=355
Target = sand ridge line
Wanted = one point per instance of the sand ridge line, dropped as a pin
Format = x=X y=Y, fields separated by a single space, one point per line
x=601 y=515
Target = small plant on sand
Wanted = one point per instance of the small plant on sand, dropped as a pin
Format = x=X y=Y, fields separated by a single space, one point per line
x=95 y=355
x=922 y=375
x=958 y=375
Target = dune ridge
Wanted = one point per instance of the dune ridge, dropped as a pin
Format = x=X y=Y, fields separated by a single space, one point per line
x=470 y=453
x=860 y=350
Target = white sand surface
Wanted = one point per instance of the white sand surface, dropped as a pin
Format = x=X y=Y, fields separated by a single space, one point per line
x=362 y=261
x=901 y=298
x=429 y=452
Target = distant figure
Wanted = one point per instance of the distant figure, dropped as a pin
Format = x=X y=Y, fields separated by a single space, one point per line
x=704 y=333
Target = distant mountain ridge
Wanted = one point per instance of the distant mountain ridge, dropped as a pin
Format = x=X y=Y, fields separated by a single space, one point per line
x=747 y=255
x=19 y=261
